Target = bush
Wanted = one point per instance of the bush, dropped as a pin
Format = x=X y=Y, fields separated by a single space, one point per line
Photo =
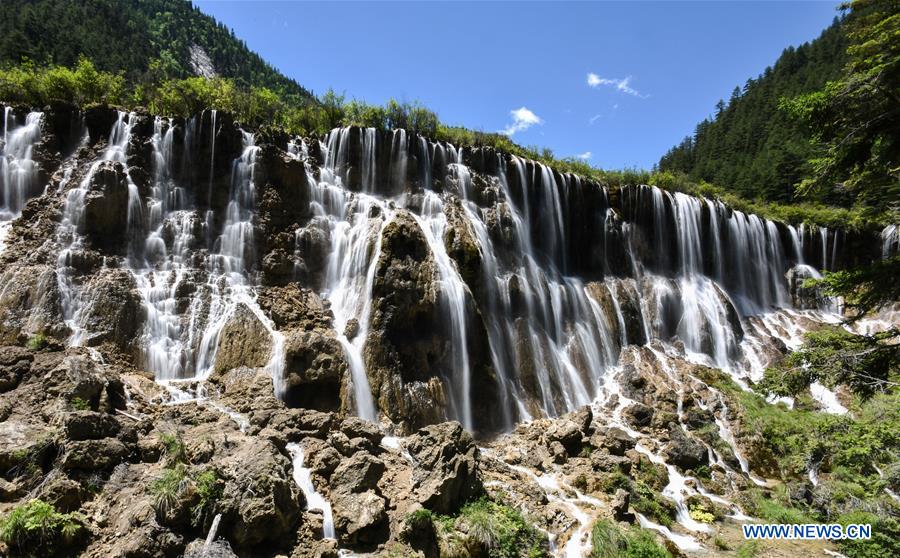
x=698 y=513
x=209 y=487
x=499 y=530
x=608 y=541
x=36 y=528
x=644 y=500
x=37 y=342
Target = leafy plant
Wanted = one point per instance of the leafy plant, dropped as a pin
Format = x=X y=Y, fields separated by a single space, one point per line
x=698 y=513
x=36 y=528
x=80 y=404
x=37 y=342
x=174 y=447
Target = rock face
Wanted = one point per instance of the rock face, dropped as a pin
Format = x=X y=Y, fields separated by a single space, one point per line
x=448 y=466
x=244 y=341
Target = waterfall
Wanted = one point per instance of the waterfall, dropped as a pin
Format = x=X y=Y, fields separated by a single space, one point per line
x=890 y=241
x=18 y=172
x=70 y=232
x=314 y=500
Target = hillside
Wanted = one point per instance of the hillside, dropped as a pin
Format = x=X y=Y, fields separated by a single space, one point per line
x=751 y=146
x=145 y=39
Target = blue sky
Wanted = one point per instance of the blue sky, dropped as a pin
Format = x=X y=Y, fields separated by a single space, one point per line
x=617 y=83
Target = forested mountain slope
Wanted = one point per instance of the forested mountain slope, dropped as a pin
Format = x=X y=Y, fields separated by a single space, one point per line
x=750 y=145
x=145 y=39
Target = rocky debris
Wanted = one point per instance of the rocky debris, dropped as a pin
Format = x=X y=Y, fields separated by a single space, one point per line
x=14 y=363
x=447 y=466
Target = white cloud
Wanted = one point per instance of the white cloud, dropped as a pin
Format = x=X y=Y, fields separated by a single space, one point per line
x=584 y=156
x=522 y=120
x=594 y=118
x=621 y=85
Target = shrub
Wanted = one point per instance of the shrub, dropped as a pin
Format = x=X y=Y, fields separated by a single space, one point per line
x=37 y=342
x=80 y=404
x=642 y=544
x=499 y=530
x=36 y=528
x=209 y=488
x=647 y=502
x=607 y=540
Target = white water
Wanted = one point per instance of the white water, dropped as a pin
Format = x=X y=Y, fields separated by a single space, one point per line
x=314 y=500
x=18 y=172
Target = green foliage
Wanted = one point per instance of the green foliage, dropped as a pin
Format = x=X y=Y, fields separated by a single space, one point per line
x=81 y=85
x=80 y=404
x=614 y=481
x=854 y=119
x=209 y=487
x=721 y=543
x=885 y=539
x=174 y=447
x=648 y=502
x=36 y=528
x=749 y=549
x=168 y=488
x=749 y=145
x=499 y=530
x=419 y=518
x=37 y=342
x=866 y=289
x=867 y=364
x=608 y=541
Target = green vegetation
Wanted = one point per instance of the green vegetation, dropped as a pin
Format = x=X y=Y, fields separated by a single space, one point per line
x=80 y=404
x=749 y=549
x=497 y=530
x=751 y=146
x=174 y=447
x=144 y=40
x=209 y=486
x=649 y=502
x=608 y=541
x=168 y=488
x=867 y=364
x=37 y=342
x=35 y=528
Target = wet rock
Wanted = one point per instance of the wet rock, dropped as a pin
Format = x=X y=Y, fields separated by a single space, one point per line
x=638 y=414
x=355 y=427
x=566 y=433
x=260 y=502
x=685 y=452
x=615 y=440
x=106 y=205
x=314 y=368
x=244 y=341
x=29 y=303
x=63 y=493
x=447 y=475
x=21 y=442
x=114 y=312
x=216 y=549
x=619 y=505
x=90 y=425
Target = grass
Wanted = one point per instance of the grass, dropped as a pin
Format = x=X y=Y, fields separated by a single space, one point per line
x=173 y=445
x=37 y=342
x=749 y=549
x=209 y=486
x=646 y=501
x=35 y=528
x=80 y=404
x=168 y=488
x=609 y=541
x=498 y=530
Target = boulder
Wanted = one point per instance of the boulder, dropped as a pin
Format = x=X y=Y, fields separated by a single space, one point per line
x=93 y=455
x=244 y=341
x=614 y=440
x=114 y=312
x=684 y=451
x=14 y=363
x=447 y=472
x=566 y=433
x=619 y=505
x=639 y=414
x=360 y=519
x=106 y=204
x=359 y=473
x=90 y=425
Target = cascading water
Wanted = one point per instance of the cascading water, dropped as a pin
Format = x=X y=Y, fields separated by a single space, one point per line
x=17 y=169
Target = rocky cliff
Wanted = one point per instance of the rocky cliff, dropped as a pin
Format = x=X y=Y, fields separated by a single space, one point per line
x=208 y=310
